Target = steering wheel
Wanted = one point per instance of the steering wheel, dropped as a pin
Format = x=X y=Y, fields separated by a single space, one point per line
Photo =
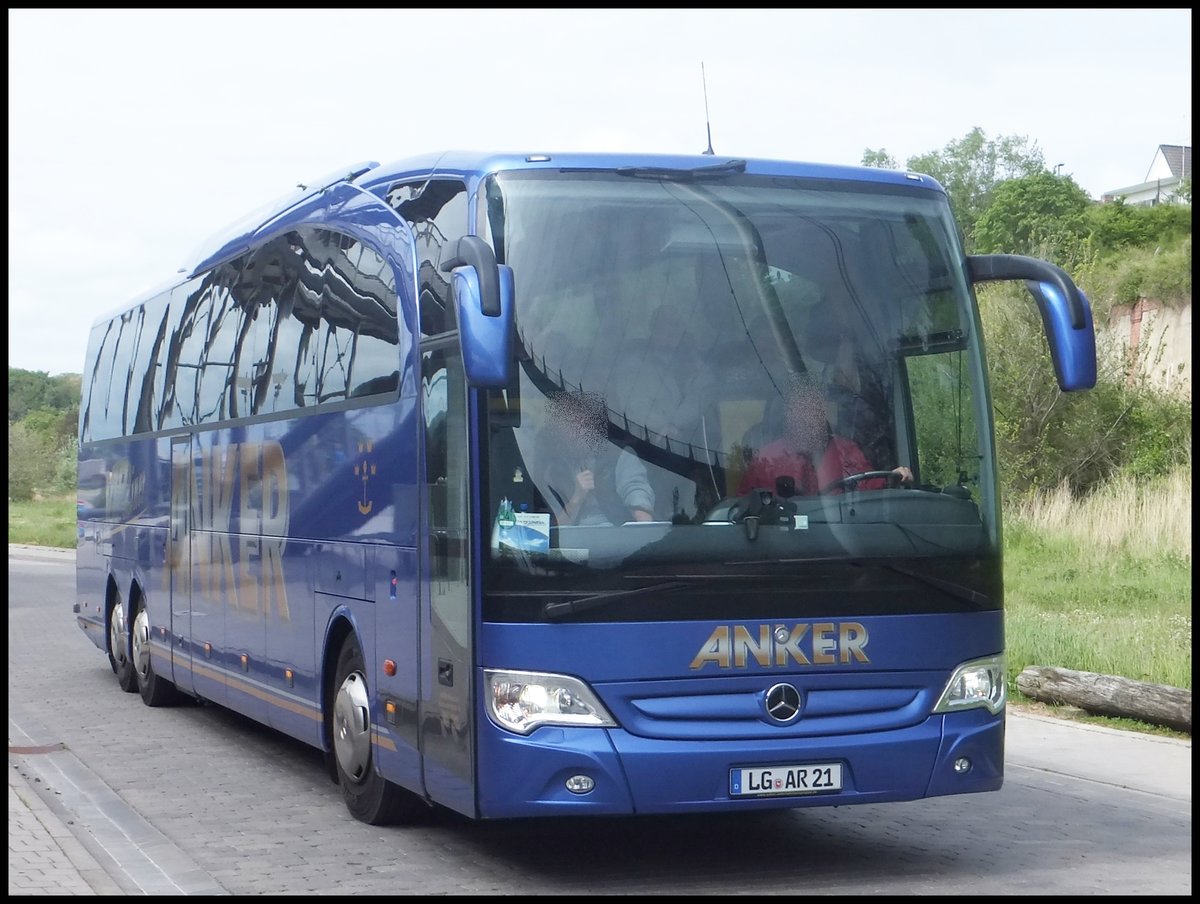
x=852 y=480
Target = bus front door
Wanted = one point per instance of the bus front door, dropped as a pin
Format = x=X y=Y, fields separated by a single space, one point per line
x=179 y=565
x=446 y=734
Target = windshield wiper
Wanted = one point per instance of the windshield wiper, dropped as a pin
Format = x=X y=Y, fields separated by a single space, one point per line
x=555 y=611
x=727 y=168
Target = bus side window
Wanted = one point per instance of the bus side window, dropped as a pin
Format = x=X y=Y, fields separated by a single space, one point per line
x=436 y=210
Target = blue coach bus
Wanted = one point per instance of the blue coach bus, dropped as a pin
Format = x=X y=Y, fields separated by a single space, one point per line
x=450 y=469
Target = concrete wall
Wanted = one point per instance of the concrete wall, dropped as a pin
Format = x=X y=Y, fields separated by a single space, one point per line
x=1158 y=338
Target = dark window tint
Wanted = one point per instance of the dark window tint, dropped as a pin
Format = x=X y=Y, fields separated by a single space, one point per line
x=184 y=370
x=145 y=384
x=437 y=213
x=305 y=319
x=176 y=405
x=219 y=395
x=107 y=380
x=344 y=341
x=95 y=385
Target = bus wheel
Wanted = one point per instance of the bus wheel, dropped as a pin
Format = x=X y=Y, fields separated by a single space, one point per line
x=155 y=690
x=118 y=646
x=369 y=797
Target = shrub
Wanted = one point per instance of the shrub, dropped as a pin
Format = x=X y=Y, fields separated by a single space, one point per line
x=1046 y=437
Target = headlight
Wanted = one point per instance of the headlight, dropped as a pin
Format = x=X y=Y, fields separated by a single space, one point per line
x=977 y=683
x=523 y=701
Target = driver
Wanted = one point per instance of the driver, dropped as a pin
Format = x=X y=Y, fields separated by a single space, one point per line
x=810 y=454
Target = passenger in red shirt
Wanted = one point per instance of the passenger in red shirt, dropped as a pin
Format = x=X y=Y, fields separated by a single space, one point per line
x=809 y=452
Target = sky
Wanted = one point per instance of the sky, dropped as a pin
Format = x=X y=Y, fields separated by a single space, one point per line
x=134 y=135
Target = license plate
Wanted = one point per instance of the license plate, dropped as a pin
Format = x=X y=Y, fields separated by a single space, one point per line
x=811 y=778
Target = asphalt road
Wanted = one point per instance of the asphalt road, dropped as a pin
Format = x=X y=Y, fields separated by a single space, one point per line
x=109 y=796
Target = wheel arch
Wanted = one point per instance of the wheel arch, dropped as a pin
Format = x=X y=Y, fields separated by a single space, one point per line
x=340 y=627
x=136 y=595
x=113 y=597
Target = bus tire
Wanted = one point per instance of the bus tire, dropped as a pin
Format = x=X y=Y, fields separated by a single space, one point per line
x=118 y=646
x=155 y=690
x=369 y=797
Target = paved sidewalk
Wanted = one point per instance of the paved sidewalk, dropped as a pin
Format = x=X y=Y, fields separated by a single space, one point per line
x=44 y=856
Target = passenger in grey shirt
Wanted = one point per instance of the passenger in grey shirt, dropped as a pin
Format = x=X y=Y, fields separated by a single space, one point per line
x=590 y=480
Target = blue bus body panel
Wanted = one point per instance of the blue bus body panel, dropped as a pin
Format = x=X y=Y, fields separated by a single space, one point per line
x=605 y=653
x=684 y=724
x=636 y=775
x=473 y=166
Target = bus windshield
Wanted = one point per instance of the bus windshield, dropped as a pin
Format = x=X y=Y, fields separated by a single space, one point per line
x=766 y=394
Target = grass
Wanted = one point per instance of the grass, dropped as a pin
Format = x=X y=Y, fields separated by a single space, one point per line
x=44 y=521
x=1097 y=584
x=1103 y=583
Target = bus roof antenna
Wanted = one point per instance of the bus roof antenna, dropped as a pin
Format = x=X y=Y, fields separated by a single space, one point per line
x=707 y=121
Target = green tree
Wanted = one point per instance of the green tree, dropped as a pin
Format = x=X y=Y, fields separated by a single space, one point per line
x=29 y=390
x=879 y=159
x=1041 y=215
x=43 y=419
x=1117 y=226
x=26 y=391
x=32 y=460
x=64 y=392
x=971 y=168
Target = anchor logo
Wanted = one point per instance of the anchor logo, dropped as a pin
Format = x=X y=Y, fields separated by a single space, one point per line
x=365 y=471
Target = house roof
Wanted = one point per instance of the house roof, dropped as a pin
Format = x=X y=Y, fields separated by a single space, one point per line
x=1179 y=159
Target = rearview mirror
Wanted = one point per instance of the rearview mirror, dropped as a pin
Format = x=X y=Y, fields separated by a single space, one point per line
x=1066 y=312
x=483 y=300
